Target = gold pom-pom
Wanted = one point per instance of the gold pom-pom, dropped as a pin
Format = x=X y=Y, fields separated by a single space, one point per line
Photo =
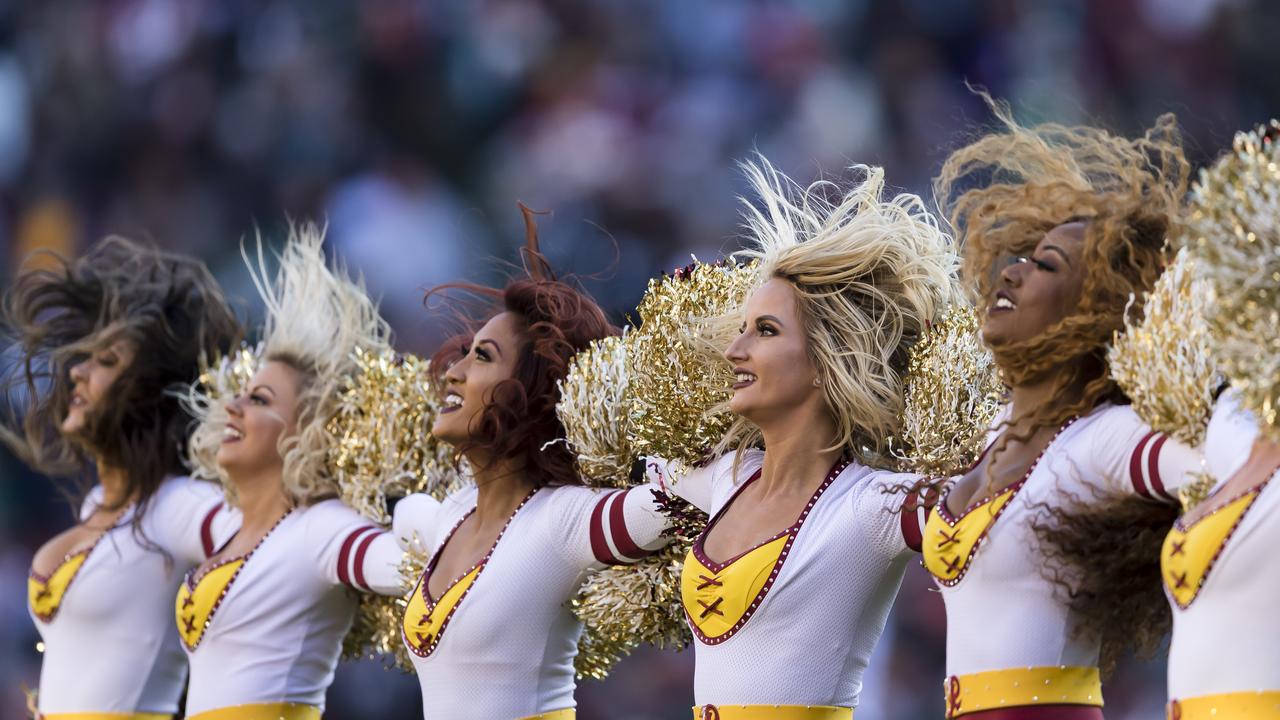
x=952 y=393
x=220 y=380
x=1233 y=230
x=381 y=443
x=678 y=376
x=626 y=606
x=595 y=410
x=1163 y=361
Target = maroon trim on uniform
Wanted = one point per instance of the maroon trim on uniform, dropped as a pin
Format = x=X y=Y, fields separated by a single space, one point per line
x=206 y=531
x=424 y=581
x=358 y=565
x=345 y=553
x=599 y=545
x=618 y=529
x=1135 y=466
x=716 y=568
x=1153 y=468
x=912 y=533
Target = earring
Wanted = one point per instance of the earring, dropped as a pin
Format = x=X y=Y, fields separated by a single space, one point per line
x=817 y=382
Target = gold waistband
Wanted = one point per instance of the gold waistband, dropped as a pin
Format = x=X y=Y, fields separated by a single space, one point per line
x=771 y=712
x=104 y=716
x=1021 y=687
x=261 y=711
x=1260 y=705
x=565 y=714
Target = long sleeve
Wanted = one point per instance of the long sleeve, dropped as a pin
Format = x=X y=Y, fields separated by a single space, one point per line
x=698 y=485
x=349 y=550
x=1131 y=458
x=193 y=519
x=611 y=527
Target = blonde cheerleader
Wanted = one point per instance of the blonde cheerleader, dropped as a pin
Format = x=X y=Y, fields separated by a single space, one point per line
x=788 y=589
x=1224 y=659
x=262 y=621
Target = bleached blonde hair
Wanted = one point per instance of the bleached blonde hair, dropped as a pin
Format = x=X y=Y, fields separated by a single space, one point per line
x=870 y=274
x=316 y=316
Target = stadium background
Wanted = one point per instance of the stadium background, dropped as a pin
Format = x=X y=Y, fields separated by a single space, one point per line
x=413 y=126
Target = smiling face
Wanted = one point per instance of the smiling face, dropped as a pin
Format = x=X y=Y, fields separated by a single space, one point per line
x=1039 y=290
x=775 y=376
x=258 y=418
x=470 y=382
x=91 y=381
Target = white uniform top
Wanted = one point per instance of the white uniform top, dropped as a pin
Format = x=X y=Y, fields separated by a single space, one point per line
x=276 y=634
x=1227 y=638
x=505 y=648
x=109 y=640
x=810 y=631
x=1002 y=612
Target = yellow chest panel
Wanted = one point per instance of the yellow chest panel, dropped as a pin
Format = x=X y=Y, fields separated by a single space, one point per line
x=719 y=602
x=1189 y=553
x=950 y=543
x=424 y=622
x=45 y=594
x=195 y=606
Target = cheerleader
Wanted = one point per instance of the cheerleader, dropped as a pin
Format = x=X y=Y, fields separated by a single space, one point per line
x=262 y=620
x=105 y=341
x=1215 y=559
x=488 y=625
x=790 y=585
x=1043 y=551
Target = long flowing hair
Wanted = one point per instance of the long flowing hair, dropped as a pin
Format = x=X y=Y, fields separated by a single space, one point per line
x=556 y=321
x=59 y=311
x=1002 y=193
x=316 y=317
x=870 y=274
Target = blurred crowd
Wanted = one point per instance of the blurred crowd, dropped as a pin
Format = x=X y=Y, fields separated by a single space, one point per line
x=413 y=126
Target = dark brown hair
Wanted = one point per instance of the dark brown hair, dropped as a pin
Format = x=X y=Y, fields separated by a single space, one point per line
x=1002 y=193
x=556 y=321
x=171 y=310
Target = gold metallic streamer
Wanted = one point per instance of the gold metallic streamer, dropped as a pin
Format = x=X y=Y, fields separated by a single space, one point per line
x=595 y=410
x=626 y=606
x=952 y=393
x=380 y=435
x=680 y=381
x=1233 y=231
x=1162 y=360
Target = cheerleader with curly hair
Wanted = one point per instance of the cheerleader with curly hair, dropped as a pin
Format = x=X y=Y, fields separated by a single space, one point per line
x=488 y=626
x=1215 y=560
x=789 y=587
x=263 y=619
x=108 y=342
x=1044 y=551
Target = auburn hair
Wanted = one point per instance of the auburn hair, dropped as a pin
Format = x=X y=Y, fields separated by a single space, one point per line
x=555 y=321
x=167 y=306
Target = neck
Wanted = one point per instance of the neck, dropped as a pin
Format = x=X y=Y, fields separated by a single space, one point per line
x=798 y=455
x=261 y=499
x=501 y=484
x=115 y=485
x=1026 y=398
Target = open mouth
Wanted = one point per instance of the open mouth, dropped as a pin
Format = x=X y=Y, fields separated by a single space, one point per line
x=1003 y=303
x=743 y=379
x=452 y=402
x=76 y=400
x=231 y=434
